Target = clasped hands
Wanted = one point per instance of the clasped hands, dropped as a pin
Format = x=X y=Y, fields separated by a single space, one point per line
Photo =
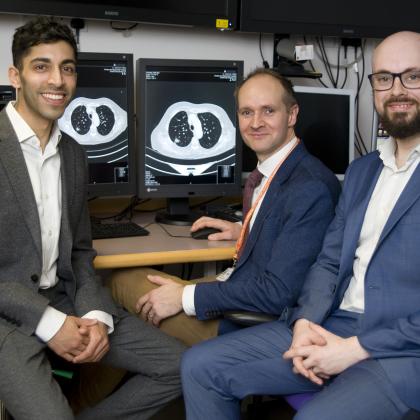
x=318 y=354
x=80 y=340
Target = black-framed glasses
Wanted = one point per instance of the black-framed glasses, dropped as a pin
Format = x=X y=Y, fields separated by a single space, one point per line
x=410 y=79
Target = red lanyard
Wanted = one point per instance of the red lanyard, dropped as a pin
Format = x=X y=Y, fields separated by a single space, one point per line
x=241 y=241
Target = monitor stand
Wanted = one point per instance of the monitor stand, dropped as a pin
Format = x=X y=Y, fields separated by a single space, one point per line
x=177 y=213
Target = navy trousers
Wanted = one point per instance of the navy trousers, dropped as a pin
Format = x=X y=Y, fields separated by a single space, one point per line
x=219 y=373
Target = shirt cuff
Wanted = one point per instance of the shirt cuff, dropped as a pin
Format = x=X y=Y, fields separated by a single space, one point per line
x=49 y=324
x=103 y=317
x=188 y=299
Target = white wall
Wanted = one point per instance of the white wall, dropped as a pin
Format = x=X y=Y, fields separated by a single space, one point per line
x=152 y=41
x=184 y=42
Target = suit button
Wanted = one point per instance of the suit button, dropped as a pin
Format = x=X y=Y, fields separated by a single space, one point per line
x=34 y=278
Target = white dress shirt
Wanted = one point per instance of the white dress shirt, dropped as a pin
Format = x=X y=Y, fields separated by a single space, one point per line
x=388 y=189
x=266 y=168
x=44 y=173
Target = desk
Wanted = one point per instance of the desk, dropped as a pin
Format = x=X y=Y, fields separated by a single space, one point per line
x=159 y=247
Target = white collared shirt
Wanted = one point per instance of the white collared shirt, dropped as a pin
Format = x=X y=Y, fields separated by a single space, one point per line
x=266 y=167
x=45 y=175
x=388 y=189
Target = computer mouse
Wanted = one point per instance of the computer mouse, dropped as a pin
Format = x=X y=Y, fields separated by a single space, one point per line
x=204 y=232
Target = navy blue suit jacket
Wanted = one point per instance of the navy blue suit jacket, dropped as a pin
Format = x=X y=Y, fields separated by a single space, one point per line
x=284 y=241
x=391 y=322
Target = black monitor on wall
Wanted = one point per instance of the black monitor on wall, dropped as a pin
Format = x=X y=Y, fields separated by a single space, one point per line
x=220 y=14
x=100 y=117
x=188 y=142
x=357 y=18
x=326 y=125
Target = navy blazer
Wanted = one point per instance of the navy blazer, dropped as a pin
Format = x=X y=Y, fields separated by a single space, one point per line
x=283 y=243
x=391 y=321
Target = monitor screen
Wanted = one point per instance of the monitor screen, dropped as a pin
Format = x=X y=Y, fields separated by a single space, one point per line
x=326 y=125
x=188 y=139
x=7 y=93
x=358 y=18
x=220 y=14
x=100 y=117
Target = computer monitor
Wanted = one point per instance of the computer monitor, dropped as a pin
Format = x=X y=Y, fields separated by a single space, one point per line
x=188 y=142
x=326 y=125
x=100 y=117
x=7 y=93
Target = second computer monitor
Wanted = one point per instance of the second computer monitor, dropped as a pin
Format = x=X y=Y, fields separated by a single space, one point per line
x=188 y=140
x=325 y=123
x=100 y=117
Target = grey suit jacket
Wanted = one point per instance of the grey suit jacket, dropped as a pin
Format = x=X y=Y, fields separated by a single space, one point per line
x=21 y=306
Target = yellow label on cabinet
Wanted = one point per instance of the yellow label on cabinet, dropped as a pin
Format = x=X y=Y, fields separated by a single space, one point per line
x=222 y=23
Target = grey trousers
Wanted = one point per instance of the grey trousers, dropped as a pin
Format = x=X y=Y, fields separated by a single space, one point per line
x=29 y=390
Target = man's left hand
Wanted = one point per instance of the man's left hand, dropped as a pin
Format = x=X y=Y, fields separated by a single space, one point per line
x=98 y=344
x=160 y=303
x=331 y=358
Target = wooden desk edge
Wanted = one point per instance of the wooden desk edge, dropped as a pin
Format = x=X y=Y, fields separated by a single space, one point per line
x=166 y=257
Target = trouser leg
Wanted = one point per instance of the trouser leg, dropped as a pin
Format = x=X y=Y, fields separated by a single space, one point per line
x=153 y=358
x=217 y=374
x=27 y=386
x=362 y=392
x=128 y=285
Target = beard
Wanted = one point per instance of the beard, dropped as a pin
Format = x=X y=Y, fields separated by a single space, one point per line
x=400 y=125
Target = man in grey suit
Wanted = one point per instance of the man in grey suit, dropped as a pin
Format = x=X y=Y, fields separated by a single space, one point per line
x=49 y=296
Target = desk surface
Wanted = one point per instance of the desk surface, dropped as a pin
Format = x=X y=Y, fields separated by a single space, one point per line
x=159 y=247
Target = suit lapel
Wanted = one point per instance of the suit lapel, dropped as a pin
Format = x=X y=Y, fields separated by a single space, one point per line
x=408 y=197
x=271 y=196
x=13 y=161
x=67 y=190
x=356 y=206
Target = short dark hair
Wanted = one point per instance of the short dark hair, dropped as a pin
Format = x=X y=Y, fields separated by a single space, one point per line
x=289 y=97
x=42 y=30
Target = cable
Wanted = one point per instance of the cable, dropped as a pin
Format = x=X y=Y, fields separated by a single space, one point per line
x=313 y=69
x=345 y=68
x=325 y=60
x=359 y=137
x=338 y=66
x=134 y=201
x=264 y=61
x=122 y=28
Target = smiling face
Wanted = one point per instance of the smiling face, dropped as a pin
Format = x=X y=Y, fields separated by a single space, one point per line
x=265 y=122
x=45 y=83
x=399 y=107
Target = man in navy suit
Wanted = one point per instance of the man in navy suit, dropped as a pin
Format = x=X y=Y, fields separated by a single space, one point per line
x=355 y=334
x=291 y=209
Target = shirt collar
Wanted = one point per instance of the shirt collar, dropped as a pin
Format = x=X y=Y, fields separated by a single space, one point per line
x=268 y=166
x=23 y=131
x=387 y=154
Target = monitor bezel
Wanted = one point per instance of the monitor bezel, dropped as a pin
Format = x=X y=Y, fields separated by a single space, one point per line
x=350 y=94
x=181 y=191
x=118 y=189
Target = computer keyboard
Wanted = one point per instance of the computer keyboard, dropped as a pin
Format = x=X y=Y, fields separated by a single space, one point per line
x=225 y=213
x=117 y=230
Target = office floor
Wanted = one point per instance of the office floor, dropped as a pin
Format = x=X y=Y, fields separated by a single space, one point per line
x=270 y=409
